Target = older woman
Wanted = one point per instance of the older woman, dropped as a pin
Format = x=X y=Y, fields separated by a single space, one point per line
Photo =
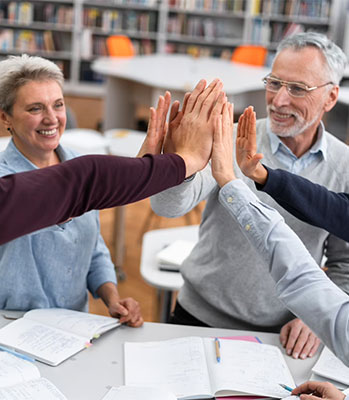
x=55 y=266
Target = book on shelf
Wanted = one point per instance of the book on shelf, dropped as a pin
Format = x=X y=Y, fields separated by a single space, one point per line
x=53 y=335
x=328 y=366
x=188 y=367
x=21 y=379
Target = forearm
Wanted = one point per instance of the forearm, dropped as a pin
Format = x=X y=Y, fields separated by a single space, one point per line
x=300 y=283
x=309 y=202
x=108 y=292
x=181 y=199
x=33 y=200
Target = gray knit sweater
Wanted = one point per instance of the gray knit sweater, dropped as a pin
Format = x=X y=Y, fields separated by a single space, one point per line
x=223 y=285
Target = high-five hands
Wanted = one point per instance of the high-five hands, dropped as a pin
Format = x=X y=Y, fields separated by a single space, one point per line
x=246 y=148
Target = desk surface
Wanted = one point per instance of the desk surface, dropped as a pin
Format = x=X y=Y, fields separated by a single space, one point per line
x=182 y=72
x=89 y=374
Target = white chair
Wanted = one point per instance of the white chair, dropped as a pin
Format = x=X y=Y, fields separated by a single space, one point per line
x=84 y=141
x=166 y=282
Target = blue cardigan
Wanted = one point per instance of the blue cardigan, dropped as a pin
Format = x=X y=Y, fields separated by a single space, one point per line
x=309 y=202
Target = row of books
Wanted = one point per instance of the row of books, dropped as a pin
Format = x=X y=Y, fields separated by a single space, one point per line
x=209 y=5
x=31 y=41
x=207 y=28
x=265 y=32
x=27 y=13
x=198 y=51
x=149 y=3
x=113 y=20
x=304 y=8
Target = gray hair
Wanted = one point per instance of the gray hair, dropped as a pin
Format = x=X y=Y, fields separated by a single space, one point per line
x=336 y=60
x=16 y=71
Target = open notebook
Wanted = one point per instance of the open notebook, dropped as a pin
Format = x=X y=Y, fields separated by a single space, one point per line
x=172 y=256
x=52 y=335
x=188 y=367
x=20 y=379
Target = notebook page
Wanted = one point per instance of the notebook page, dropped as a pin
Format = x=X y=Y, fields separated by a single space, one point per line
x=15 y=370
x=248 y=367
x=329 y=366
x=138 y=393
x=176 y=365
x=40 y=389
x=40 y=341
x=80 y=323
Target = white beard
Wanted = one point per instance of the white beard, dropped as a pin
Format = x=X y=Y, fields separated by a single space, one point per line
x=299 y=126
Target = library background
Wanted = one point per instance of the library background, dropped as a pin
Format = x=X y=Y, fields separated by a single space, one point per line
x=73 y=34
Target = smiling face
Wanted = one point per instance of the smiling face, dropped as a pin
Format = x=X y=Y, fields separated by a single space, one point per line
x=38 y=119
x=290 y=116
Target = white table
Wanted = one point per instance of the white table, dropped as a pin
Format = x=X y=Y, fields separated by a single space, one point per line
x=165 y=281
x=89 y=374
x=141 y=79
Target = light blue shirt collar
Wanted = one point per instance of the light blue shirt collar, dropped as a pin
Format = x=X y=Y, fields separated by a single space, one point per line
x=13 y=157
x=319 y=147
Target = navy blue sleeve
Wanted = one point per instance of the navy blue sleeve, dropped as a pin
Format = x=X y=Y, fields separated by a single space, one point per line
x=36 y=199
x=309 y=202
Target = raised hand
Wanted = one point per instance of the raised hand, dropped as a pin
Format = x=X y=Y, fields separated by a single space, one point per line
x=222 y=149
x=157 y=127
x=193 y=136
x=246 y=148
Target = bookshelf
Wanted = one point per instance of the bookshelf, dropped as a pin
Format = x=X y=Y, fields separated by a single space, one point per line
x=72 y=32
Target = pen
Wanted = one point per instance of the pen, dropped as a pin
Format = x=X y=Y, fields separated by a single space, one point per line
x=14 y=353
x=286 y=387
x=218 y=349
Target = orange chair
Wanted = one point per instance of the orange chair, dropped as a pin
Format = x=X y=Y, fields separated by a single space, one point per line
x=120 y=46
x=250 y=54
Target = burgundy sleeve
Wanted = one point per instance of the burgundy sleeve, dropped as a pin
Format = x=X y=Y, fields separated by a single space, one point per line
x=33 y=200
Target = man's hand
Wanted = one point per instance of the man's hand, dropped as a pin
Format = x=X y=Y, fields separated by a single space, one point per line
x=312 y=390
x=157 y=127
x=128 y=311
x=298 y=340
x=246 y=148
x=222 y=150
x=193 y=137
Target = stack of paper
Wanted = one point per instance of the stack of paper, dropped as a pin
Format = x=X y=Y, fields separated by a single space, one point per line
x=171 y=257
x=329 y=367
x=138 y=393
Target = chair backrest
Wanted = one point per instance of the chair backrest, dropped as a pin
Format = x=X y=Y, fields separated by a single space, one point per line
x=250 y=54
x=120 y=46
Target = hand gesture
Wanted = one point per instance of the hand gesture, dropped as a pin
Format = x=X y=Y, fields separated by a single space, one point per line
x=246 y=148
x=298 y=340
x=193 y=137
x=128 y=311
x=157 y=127
x=312 y=390
x=222 y=150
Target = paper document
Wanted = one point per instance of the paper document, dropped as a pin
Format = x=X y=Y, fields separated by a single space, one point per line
x=173 y=255
x=188 y=367
x=138 y=393
x=329 y=366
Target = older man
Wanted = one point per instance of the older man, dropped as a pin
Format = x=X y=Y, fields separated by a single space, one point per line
x=223 y=284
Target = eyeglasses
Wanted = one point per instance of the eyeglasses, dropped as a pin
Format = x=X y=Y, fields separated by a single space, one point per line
x=295 y=89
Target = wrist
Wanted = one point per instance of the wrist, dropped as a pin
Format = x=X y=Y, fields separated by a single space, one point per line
x=260 y=175
x=223 y=180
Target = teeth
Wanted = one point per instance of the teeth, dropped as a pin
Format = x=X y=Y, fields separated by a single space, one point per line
x=48 y=133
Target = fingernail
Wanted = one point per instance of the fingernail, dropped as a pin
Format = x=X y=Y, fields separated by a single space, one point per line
x=303 y=356
x=289 y=351
x=295 y=355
